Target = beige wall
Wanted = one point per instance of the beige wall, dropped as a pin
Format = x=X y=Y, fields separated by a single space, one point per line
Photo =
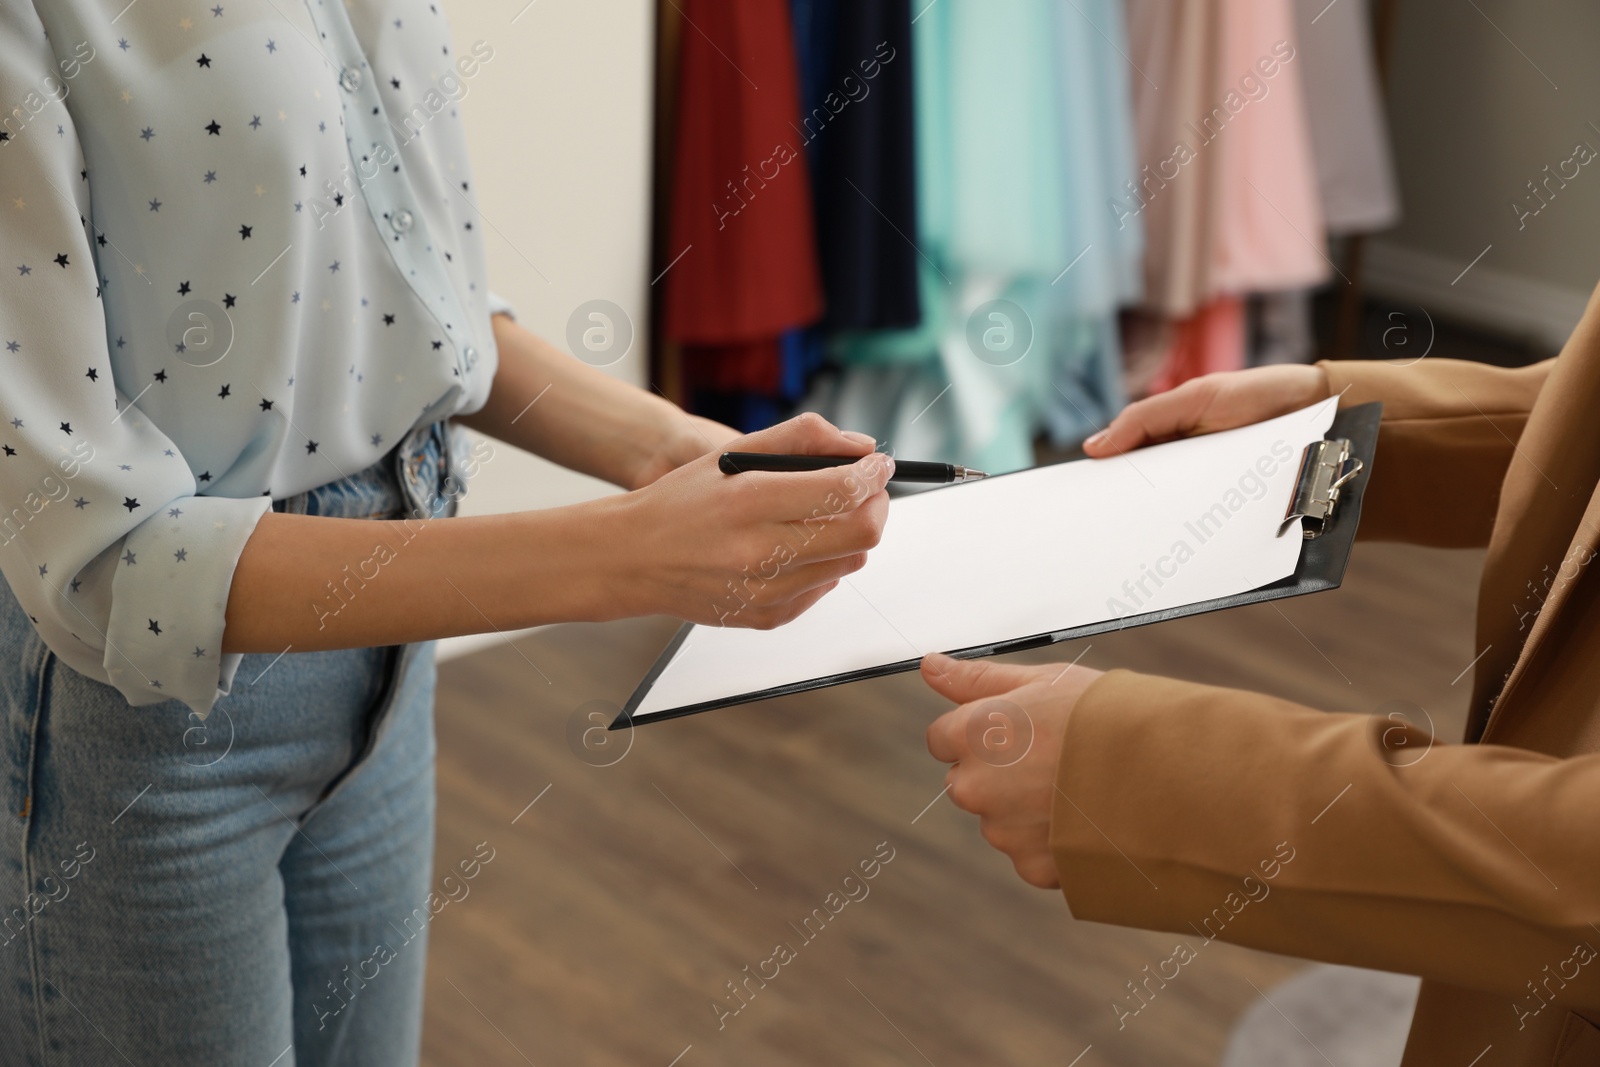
x=559 y=128
x=1475 y=116
x=559 y=124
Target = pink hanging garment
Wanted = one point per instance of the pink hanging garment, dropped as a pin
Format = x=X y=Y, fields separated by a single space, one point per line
x=1269 y=227
x=1210 y=340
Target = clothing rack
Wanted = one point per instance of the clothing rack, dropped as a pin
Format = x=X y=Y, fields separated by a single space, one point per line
x=887 y=386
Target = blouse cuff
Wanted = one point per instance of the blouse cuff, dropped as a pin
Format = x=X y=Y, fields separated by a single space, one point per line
x=169 y=601
x=499 y=305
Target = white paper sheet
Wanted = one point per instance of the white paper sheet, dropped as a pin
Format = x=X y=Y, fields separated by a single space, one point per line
x=1028 y=553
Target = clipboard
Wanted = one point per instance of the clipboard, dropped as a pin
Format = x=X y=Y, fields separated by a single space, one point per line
x=1326 y=503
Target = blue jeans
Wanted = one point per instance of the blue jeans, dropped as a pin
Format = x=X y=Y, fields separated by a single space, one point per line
x=176 y=892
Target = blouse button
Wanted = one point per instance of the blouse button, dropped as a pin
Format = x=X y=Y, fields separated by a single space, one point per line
x=402 y=221
x=470 y=354
x=350 y=80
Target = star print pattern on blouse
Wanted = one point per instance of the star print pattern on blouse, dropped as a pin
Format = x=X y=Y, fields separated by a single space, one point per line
x=244 y=261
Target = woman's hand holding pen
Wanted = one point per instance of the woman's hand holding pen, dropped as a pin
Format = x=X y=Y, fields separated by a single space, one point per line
x=754 y=550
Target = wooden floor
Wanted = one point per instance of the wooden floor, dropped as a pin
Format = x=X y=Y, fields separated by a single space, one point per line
x=619 y=905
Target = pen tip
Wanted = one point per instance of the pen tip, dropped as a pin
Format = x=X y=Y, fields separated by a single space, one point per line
x=967 y=474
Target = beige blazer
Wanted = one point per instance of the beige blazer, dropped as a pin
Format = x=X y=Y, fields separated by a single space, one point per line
x=1216 y=813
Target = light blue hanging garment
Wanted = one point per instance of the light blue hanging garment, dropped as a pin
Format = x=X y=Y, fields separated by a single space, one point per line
x=1024 y=133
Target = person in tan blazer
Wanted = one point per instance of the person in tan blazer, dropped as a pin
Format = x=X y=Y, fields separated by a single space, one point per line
x=1349 y=838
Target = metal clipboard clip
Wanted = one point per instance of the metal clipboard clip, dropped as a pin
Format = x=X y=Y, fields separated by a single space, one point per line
x=1325 y=467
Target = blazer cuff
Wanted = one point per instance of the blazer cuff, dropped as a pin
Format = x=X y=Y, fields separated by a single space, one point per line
x=1444 y=445
x=1218 y=814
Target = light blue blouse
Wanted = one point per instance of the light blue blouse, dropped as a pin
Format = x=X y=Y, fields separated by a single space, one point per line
x=239 y=258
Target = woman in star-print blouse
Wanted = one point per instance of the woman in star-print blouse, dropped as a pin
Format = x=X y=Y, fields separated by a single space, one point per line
x=241 y=259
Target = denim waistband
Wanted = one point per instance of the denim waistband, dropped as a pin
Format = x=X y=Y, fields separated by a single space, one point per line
x=413 y=480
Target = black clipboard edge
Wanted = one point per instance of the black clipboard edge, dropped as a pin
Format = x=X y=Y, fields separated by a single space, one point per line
x=1322 y=566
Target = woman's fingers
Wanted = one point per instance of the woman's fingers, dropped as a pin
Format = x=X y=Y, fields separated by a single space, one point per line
x=1214 y=402
x=786 y=597
x=830 y=512
x=839 y=527
x=967 y=680
x=780 y=585
x=793 y=609
x=1171 y=414
x=807 y=434
x=817 y=495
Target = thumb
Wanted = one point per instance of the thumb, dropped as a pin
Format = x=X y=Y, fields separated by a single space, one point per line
x=966 y=680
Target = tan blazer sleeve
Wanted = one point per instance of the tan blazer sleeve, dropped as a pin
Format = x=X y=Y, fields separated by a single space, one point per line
x=1224 y=815
x=1449 y=431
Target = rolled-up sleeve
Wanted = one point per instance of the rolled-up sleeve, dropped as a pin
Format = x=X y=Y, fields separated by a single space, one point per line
x=123 y=569
x=499 y=305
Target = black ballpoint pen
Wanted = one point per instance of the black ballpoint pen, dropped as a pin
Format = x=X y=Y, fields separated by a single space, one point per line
x=905 y=470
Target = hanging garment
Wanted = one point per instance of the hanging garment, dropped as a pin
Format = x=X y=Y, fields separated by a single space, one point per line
x=1172 y=48
x=1269 y=229
x=1096 y=111
x=1086 y=387
x=741 y=198
x=856 y=122
x=926 y=393
x=753 y=384
x=1211 y=340
x=1227 y=184
x=1022 y=135
x=856 y=126
x=1349 y=133
x=813 y=22
x=737 y=367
